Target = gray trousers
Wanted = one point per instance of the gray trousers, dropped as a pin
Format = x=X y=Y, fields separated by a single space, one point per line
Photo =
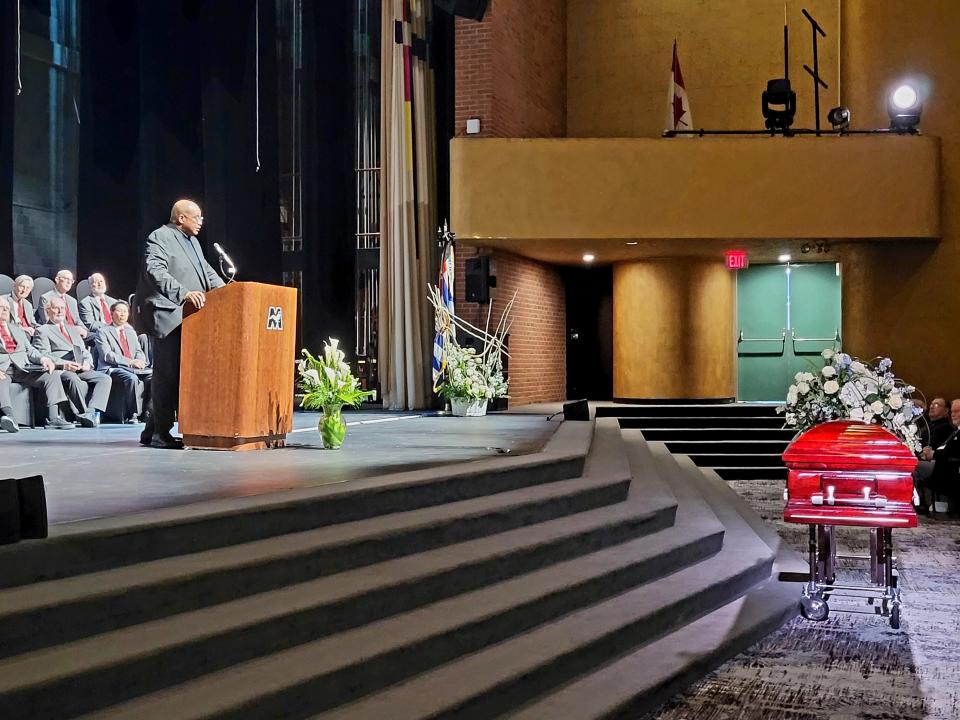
x=87 y=391
x=50 y=382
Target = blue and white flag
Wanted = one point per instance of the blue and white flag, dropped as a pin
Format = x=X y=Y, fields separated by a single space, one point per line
x=444 y=325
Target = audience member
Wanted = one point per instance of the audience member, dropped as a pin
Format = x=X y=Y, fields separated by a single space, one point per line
x=20 y=305
x=122 y=358
x=62 y=284
x=24 y=364
x=88 y=389
x=95 y=307
x=935 y=427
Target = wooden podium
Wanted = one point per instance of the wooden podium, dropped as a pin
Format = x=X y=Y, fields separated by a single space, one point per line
x=237 y=368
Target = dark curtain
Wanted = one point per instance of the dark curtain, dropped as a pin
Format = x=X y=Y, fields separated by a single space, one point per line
x=8 y=86
x=169 y=111
x=329 y=183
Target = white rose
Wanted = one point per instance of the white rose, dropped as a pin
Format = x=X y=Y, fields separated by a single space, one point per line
x=830 y=387
x=857 y=366
x=798 y=377
x=829 y=371
x=808 y=377
x=803 y=388
x=895 y=401
x=867 y=416
x=791 y=398
x=877 y=407
x=827 y=354
x=856 y=414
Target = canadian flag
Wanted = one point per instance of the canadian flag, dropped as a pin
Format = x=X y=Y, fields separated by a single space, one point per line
x=679 y=116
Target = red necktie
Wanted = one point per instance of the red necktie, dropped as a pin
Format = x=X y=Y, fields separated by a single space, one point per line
x=22 y=314
x=8 y=341
x=70 y=320
x=106 y=312
x=124 y=345
x=65 y=334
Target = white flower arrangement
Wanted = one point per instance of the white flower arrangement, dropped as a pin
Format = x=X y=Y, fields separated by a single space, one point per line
x=474 y=376
x=327 y=380
x=847 y=388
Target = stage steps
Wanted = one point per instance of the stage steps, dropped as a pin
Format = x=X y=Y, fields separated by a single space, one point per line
x=741 y=441
x=490 y=603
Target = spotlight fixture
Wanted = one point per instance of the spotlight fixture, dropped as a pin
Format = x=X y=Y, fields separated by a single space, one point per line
x=805 y=248
x=779 y=105
x=785 y=258
x=839 y=117
x=904 y=106
x=588 y=257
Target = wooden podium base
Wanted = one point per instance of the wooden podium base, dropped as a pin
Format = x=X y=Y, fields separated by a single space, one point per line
x=208 y=442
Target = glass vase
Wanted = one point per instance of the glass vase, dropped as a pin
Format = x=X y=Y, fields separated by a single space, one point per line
x=332 y=427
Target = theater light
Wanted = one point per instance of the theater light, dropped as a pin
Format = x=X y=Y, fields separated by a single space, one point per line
x=839 y=118
x=904 y=106
x=783 y=258
x=588 y=257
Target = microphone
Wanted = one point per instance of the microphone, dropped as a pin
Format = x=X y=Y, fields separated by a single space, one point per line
x=231 y=268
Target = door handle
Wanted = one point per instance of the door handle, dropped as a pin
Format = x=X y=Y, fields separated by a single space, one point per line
x=794 y=340
x=782 y=340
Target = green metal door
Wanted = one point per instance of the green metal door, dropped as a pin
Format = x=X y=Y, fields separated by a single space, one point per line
x=787 y=315
x=814 y=314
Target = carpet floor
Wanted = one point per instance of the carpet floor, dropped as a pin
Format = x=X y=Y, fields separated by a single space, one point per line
x=853 y=665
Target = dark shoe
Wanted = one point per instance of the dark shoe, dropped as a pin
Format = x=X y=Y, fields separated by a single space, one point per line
x=89 y=419
x=58 y=424
x=9 y=424
x=166 y=442
x=146 y=436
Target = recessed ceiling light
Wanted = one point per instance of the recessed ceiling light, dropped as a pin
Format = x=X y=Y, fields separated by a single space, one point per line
x=784 y=258
x=588 y=257
x=631 y=242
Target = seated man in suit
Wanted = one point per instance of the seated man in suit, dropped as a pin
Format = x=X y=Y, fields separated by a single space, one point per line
x=87 y=389
x=95 y=307
x=937 y=427
x=62 y=284
x=122 y=358
x=21 y=308
x=17 y=356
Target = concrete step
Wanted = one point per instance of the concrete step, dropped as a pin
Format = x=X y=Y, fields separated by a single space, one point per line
x=687 y=410
x=641 y=681
x=705 y=434
x=95 y=545
x=754 y=459
x=57 y=611
x=710 y=447
x=333 y=670
x=770 y=422
x=752 y=473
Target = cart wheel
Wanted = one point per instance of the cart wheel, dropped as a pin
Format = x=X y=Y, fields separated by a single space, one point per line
x=814 y=608
x=895 y=616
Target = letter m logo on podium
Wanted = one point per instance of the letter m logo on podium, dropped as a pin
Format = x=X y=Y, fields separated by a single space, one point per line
x=274 y=318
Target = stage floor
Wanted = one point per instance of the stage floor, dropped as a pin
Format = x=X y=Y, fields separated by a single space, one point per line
x=105 y=472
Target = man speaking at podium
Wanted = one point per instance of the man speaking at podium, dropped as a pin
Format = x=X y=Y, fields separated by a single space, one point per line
x=174 y=272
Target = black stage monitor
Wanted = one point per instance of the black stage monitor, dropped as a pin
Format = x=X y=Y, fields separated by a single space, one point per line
x=576 y=410
x=473 y=9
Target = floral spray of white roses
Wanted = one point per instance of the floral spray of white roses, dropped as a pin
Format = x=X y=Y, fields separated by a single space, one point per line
x=846 y=388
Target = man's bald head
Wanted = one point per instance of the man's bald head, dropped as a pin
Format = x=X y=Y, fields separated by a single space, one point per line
x=187 y=216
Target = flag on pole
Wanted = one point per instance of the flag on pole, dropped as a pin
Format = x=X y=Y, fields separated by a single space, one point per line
x=444 y=325
x=679 y=116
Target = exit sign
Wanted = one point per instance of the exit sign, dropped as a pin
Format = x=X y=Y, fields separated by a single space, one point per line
x=737 y=259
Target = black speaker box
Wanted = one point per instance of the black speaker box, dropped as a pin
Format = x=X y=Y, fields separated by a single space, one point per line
x=476 y=281
x=473 y=9
x=576 y=410
x=33 y=508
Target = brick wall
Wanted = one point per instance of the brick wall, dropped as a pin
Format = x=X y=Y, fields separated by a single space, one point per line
x=511 y=69
x=537 y=346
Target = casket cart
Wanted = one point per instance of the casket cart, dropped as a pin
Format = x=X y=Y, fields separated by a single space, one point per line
x=851 y=474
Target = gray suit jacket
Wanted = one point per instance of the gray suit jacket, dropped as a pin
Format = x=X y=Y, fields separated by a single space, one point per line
x=27 y=310
x=170 y=271
x=109 y=350
x=91 y=314
x=71 y=306
x=25 y=353
x=51 y=342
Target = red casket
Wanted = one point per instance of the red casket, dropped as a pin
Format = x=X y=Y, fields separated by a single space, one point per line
x=849 y=473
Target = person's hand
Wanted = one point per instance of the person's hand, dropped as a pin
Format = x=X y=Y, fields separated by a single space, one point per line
x=48 y=364
x=3 y=375
x=82 y=331
x=197 y=298
x=85 y=367
x=138 y=364
x=927 y=453
x=30 y=331
x=71 y=366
